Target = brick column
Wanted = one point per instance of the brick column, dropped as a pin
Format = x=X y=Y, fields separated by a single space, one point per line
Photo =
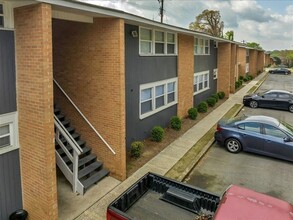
x=233 y=66
x=253 y=62
x=185 y=74
x=260 y=61
x=241 y=58
x=35 y=107
x=224 y=67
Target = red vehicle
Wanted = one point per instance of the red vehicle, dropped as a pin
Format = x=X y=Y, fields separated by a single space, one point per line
x=157 y=197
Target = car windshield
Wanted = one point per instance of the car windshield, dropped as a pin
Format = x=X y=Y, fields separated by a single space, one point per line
x=287 y=127
x=235 y=119
x=262 y=93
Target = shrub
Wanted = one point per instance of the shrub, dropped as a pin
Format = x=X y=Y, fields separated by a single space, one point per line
x=237 y=84
x=241 y=77
x=176 y=123
x=192 y=113
x=136 y=148
x=157 y=133
x=221 y=94
x=202 y=107
x=216 y=97
x=250 y=77
x=241 y=82
x=211 y=101
x=245 y=79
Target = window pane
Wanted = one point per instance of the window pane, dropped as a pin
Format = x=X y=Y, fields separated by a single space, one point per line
x=159 y=48
x=159 y=90
x=272 y=131
x=171 y=87
x=206 y=50
x=4 y=130
x=195 y=79
x=146 y=94
x=1 y=21
x=5 y=141
x=1 y=9
x=253 y=127
x=200 y=86
x=145 y=47
x=200 y=78
x=171 y=97
x=206 y=84
x=160 y=101
x=195 y=88
x=170 y=38
x=170 y=48
x=145 y=34
x=196 y=41
x=146 y=107
x=159 y=36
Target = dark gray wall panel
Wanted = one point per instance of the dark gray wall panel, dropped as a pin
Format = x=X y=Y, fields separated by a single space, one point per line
x=140 y=70
x=203 y=63
x=7 y=72
x=10 y=185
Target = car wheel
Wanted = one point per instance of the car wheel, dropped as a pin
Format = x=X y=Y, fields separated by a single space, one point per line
x=291 y=108
x=253 y=104
x=286 y=73
x=233 y=145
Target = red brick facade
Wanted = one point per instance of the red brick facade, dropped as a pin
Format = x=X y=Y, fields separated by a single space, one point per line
x=224 y=67
x=253 y=62
x=185 y=73
x=241 y=60
x=233 y=68
x=260 y=61
x=35 y=107
x=89 y=65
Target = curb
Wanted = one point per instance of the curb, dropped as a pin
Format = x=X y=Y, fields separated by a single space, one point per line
x=205 y=149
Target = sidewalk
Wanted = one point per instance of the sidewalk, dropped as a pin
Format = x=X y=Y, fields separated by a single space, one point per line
x=166 y=159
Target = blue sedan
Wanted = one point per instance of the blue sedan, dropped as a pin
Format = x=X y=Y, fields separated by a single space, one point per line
x=257 y=134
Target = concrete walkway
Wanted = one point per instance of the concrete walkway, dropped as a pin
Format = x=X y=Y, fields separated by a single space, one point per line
x=166 y=159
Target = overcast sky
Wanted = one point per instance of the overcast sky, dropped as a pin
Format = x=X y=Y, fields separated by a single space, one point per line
x=267 y=22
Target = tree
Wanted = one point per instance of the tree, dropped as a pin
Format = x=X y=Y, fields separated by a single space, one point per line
x=209 y=21
x=254 y=45
x=229 y=35
x=277 y=60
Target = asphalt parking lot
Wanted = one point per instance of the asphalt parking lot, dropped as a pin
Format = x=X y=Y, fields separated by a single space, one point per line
x=218 y=169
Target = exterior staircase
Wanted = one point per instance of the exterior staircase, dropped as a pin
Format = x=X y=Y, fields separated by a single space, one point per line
x=89 y=169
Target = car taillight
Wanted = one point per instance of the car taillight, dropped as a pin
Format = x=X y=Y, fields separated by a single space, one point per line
x=219 y=129
x=111 y=215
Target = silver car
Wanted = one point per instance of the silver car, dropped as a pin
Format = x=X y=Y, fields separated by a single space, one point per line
x=258 y=134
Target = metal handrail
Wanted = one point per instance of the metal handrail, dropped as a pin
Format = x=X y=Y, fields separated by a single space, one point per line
x=77 y=150
x=82 y=115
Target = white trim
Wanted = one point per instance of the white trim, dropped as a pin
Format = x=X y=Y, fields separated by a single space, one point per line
x=202 y=73
x=215 y=73
x=10 y=119
x=153 y=42
x=203 y=46
x=153 y=98
x=72 y=16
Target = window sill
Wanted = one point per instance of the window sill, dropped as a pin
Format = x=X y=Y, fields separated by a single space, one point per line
x=8 y=149
x=158 y=55
x=203 y=90
x=157 y=110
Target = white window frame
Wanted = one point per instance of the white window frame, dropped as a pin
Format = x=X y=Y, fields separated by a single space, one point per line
x=11 y=120
x=203 y=74
x=153 y=86
x=200 y=45
x=215 y=73
x=153 y=43
x=3 y=14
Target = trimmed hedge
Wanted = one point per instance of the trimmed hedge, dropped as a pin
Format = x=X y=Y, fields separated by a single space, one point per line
x=136 y=148
x=176 y=123
x=202 y=107
x=215 y=96
x=192 y=113
x=221 y=95
x=211 y=101
x=157 y=133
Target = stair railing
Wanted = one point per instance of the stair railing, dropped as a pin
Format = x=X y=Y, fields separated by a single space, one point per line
x=82 y=115
x=72 y=176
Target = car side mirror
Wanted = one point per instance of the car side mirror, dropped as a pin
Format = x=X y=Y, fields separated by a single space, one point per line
x=287 y=139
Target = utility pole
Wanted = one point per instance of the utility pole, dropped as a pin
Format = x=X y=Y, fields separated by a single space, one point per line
x=161 y=9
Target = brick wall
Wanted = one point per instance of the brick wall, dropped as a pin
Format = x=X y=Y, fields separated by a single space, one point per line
x=224 y=67
x=260 y=61
x=241 y=59
x=89 y=65
x=185 y=73
x=35 y=108
x=233 y=66
x=253 y=62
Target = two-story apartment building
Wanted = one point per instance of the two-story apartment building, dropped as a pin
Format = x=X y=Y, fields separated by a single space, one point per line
x=114 y=75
